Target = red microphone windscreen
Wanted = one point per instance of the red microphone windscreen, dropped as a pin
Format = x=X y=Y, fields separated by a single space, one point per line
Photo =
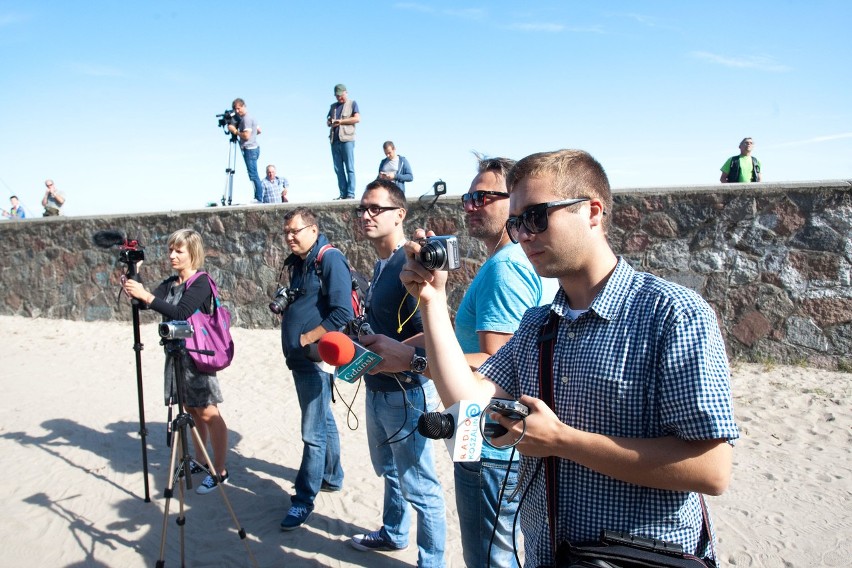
x=335 y=348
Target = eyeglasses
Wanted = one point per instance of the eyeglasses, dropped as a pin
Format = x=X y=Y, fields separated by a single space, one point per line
x=373 y=210
x=294 y=232
x=534 y=217
x=478 y=197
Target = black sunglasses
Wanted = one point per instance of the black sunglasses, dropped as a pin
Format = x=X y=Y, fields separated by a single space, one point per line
x=373 y=210
x=534 y=217
x=478 y=197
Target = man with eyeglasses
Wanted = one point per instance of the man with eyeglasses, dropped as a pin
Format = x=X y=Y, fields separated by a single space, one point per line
x=404 y=459
x=320 y=302
x=641 y=421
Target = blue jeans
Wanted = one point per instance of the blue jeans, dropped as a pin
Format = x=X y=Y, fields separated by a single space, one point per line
x=477 y=488
x=408 y=467
x=321 y=452
x=250 y=156
x=343 y=155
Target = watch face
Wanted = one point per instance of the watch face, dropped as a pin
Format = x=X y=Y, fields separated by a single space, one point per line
x=418 y=364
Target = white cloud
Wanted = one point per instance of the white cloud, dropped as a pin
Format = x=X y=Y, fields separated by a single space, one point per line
x=814 y=140
x=92 y=70
x=555 y=28
x=12 y=19
x=759 y=62
x=414 y=7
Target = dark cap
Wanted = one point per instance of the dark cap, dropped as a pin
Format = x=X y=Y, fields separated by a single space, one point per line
x=339 y=89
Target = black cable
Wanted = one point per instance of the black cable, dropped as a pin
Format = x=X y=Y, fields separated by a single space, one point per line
x=405 y=405
x=500 y=506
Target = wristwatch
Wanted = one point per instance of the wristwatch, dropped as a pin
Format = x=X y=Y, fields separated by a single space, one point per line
x=418 y=361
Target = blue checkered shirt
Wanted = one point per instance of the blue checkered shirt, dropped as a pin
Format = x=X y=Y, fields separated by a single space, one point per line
x=272 y=189
x=646 y=360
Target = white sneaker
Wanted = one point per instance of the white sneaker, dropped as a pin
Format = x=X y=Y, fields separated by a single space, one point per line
x=210 y=483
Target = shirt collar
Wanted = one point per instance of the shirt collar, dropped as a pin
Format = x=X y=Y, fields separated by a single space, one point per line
x=609 y=301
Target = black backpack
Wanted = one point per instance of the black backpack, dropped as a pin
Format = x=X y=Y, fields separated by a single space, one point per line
x=734 y=173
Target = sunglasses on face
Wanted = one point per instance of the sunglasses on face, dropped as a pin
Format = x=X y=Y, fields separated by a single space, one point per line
x=478 y=197
x=373 y=210
x=534 y=217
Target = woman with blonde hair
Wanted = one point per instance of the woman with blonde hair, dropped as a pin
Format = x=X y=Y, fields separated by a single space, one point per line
x=201 y=393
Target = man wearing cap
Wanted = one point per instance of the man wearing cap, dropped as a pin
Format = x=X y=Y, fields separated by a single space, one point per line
x=342 y=118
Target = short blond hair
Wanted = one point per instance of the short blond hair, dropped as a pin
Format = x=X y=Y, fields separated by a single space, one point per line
x=193 y=243
x=572 y=173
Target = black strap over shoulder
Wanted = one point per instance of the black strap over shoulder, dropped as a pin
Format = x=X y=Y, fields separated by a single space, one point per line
x=547 y=344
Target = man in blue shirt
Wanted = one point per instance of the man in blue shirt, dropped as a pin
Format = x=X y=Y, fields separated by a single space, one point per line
x=274 y=187
x=319 y=301
x=404 y=459
x=641 y=421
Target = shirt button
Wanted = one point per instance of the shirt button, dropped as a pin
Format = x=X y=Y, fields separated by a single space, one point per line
x=564 y=380
x=571 y=335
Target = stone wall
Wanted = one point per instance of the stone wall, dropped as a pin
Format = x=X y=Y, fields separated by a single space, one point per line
x=772 y=259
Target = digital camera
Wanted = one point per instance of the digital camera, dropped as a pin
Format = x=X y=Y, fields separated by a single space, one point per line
x=283 y=297
x=175 y=330
x=440 y=253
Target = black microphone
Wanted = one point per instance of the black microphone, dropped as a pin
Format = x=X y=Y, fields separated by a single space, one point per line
x=108 y=238
x=458 y=426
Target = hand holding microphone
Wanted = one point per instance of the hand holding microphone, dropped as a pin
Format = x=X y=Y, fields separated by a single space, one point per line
x=351 y=359
x=465 y=425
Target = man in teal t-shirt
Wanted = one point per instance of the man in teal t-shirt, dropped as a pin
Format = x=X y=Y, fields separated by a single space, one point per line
x=744 y=168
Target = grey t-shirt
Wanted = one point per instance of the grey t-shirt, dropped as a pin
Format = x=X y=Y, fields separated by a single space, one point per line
x=247 y=122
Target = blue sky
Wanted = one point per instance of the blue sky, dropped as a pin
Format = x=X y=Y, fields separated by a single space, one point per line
x=117 y=101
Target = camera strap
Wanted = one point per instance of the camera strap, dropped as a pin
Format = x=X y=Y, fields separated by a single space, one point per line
x=546 y=346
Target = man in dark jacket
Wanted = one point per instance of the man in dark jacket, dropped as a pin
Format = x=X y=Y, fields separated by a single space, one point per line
x=319 y=300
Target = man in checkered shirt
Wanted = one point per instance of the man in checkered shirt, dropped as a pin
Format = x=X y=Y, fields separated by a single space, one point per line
x=642 y=419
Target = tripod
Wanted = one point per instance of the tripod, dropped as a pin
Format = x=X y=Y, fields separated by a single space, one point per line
x=228 y=193
x=132 y=274
x=175 y=349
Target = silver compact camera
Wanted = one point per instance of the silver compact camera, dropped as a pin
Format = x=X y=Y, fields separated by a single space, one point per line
x=440 y=253
x=175 y=330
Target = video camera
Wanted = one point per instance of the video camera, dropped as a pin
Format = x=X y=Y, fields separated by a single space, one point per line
x=175 y=330
x=130 y=250
x=228 y=118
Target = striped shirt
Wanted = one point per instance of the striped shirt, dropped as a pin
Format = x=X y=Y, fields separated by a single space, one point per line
x=646 y=360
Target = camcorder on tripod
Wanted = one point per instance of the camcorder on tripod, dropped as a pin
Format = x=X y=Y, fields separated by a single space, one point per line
x=226 y=119
x=173 y=338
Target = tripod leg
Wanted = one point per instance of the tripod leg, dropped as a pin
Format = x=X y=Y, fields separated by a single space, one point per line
x=216 y=475
x=173 y=475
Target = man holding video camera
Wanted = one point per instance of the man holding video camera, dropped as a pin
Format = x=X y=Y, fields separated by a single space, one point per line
x=641 y=421
x=246 y=130
x=405 y=460
x=318 y=301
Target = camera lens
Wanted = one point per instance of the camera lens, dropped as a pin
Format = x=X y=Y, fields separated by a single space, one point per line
x=277 y=305
x=433 y=255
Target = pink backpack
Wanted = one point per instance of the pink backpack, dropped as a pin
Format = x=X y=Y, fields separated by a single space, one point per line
x=212 y=333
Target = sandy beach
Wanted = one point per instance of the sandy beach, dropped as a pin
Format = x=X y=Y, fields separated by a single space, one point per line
x=73 y=486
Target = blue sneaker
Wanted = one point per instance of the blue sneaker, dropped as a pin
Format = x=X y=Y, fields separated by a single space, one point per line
x=210 y=483
x=296 y=517
x=374 y=541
